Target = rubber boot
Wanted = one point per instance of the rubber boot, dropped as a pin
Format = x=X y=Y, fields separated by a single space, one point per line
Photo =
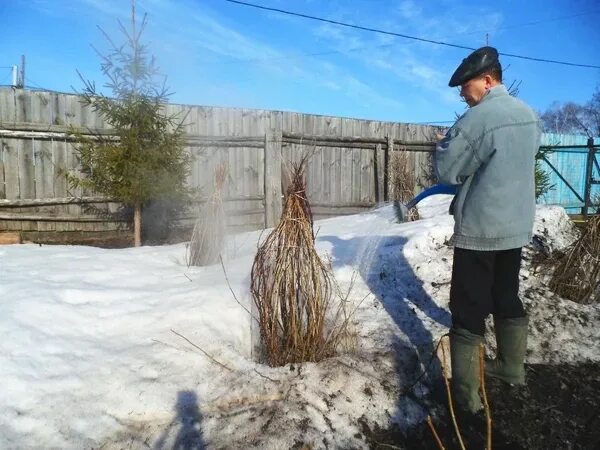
x=464 y=351
x=511 y=340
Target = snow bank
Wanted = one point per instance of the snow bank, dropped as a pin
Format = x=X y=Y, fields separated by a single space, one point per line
x=88 y=358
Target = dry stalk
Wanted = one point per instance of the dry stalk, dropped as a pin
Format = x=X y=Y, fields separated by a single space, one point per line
x=231 y=290
x=486 y=405
x=435 y=434
x=208 y=235
x=576 y=274
x=208 y=355
x=402 y=180
x=450 y=404
x=292 y=288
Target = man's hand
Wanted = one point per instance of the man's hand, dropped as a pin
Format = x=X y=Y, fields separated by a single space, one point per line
x=439 y=136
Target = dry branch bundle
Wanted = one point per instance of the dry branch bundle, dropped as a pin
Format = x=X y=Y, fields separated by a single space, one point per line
x=402 y=180
x=576 y=274
x=209 y=230
x=292 y=288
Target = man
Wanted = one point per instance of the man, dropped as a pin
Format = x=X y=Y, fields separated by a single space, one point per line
x=490 y=154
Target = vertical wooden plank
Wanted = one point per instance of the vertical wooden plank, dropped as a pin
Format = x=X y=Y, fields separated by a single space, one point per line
x=336 y=127
x=191 y=120
x=8 y=112
x=256 y=122
x=339 y=127
x=352 y=176
x=376 y=178
x=227 y=128
x=207 y=160
x=59 y=154
x=23 y=105
x=73 y=166
x=82 y=114
x=272 y=177
x=52 y=108
x=2 y=170
x=221 y=115
x=70 y=111
x=268 y=119
x=311 y=126
x=43 y=169
x=247 y=118
x=375 y=132
x=315 y=154
x=285 y=125
x=330 y=126
x=389 y=150
x=234 y=128
x=40 y=107
x=367 y=178
x=222 y=155
x=26 y=169
x=236 y=121
x=59 y=109
x=59 y=151
x=286 y=121
x=356 y=166
x=201 y=162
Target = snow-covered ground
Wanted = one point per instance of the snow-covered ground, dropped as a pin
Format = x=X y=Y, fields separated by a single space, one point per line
x=90 y=358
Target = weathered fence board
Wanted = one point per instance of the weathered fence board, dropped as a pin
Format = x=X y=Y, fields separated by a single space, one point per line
x=346 y=171
x=11 y=168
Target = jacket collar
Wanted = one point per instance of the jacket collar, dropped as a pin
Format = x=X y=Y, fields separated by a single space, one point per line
x=496 y=91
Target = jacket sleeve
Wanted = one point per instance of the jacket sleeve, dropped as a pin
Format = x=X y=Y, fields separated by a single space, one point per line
x=456 y=157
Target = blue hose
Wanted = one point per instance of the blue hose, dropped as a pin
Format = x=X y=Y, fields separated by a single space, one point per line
x=433 y=190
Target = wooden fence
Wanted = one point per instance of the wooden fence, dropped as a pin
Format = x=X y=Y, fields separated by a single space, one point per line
x=346 y=172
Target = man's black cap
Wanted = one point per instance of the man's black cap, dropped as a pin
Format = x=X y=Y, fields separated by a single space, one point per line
x=475 y=64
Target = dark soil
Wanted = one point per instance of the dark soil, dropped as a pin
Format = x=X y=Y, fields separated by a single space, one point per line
x=557 y=409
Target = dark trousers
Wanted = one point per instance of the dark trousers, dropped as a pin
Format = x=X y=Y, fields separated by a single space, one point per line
x=484 y=283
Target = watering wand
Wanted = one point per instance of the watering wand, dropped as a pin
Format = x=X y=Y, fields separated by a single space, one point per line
x=402 y=209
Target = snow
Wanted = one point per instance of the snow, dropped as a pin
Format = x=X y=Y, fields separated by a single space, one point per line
x=89 y=357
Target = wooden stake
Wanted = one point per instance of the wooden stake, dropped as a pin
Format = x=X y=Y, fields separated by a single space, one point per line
x=450 y=405
x=486 y=406
x=434 y=432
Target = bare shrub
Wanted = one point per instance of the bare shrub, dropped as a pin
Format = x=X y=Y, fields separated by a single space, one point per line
x=208 y=235
x=293 y=289
x=576 y=274
x=402 y=180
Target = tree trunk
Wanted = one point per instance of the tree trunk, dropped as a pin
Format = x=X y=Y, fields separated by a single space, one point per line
x=137 y=224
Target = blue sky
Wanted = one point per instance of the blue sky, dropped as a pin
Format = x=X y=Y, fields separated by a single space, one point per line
x=218 y=53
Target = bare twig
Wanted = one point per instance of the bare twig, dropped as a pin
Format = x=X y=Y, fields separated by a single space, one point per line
x=204 y=352
x=402 y=180
x=576 y=271
x=435 y=434
x=486 y=405
x=208 y=235
x=266 y=377
x=231 y=289
x=171 y=346
x=293 y=289
x=450 y=405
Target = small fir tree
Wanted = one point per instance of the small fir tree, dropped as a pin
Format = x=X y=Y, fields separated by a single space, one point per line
x=144 y=157
x=542 y=177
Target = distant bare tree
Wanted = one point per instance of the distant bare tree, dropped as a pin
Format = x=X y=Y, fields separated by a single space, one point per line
x=571 y=117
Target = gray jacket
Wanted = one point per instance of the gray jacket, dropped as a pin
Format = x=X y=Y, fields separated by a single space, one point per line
x=490 y=152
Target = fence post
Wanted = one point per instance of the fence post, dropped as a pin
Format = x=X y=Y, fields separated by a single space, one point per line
x=272 y=177
x=389 y=148
x=378 y=170
x=588 y=178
